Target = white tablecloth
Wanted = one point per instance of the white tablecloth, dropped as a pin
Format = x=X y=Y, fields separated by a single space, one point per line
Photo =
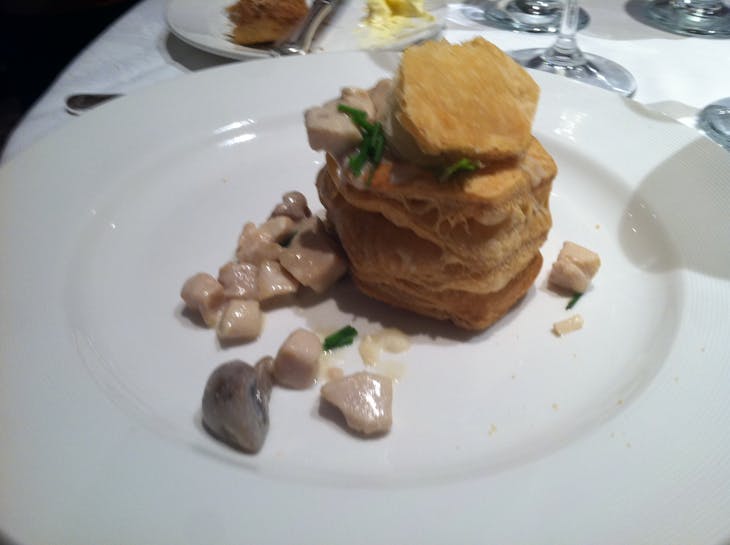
x=675 y=75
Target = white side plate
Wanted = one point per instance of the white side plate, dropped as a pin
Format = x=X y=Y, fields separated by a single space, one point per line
x=205 y=25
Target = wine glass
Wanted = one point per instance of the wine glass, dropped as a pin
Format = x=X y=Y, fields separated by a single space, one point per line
x=703 y=18
x=714 y=121
x=521 y=15
x=565 y=58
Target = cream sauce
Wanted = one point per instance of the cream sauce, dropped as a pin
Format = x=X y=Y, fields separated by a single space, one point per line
x=330 y=366
x=391 y=369
x=390 y=340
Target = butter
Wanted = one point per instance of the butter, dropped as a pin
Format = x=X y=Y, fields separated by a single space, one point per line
x=406 y=8
x=388 y=18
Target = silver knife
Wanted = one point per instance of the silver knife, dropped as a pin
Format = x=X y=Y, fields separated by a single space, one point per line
x=299 y=42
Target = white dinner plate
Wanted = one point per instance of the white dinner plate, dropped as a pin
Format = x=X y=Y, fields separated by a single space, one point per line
x=205 y=24
x=617 y=433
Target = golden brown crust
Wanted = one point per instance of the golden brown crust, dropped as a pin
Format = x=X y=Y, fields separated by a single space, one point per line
x=465 y=309
x=467 y=100
x=261 y=21
x=484 y=262
x=409 y=266
x=465 y=249
x=481 y=218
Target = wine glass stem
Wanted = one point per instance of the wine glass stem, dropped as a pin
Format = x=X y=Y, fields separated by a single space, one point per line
x=565 y=50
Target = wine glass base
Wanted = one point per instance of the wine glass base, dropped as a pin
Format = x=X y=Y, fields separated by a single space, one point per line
x=511 y=17
x=685 y=21
x=714 y=121
x=590 y=69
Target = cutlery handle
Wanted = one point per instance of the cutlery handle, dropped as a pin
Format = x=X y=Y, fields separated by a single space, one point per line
x=77 y=104
x=300 y=41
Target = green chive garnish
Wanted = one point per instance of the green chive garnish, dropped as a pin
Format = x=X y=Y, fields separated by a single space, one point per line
x=462 y=165
x=357 y=162
x=573 y=301
x=342 y=337
x=373 y=140
x=359 y=117
x=378 y=145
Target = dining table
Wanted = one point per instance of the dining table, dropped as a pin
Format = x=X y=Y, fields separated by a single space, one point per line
x=676 y=75
x=616 y=432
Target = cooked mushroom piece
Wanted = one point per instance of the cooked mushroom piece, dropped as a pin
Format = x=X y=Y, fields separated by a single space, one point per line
x=240 y=321
x=274 y=281
x=239 y=280
x=204 y=294
x=293 y=205
x=236 y=404
x=297 y=362
x=265 y=367
x=255 y=246
x=311 y=257
x=365 y=400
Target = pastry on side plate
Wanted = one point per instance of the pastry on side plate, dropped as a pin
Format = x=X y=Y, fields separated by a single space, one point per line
x=262 y=21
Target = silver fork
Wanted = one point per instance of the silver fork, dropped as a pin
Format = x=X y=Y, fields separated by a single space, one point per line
x=299 y=42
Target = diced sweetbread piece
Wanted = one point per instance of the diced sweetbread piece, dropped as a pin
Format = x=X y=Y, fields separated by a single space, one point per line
x=278 y=228
x=239 y=280
x=204 y=294
x=297 y=362
x=365 y=400
x=360 y=99
x=240 y=321
x=274 y=281
x=330 y=130
x=333 y=131
x=574 y=268
x=312 y=258
x=381 y=95
x=255 y=246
